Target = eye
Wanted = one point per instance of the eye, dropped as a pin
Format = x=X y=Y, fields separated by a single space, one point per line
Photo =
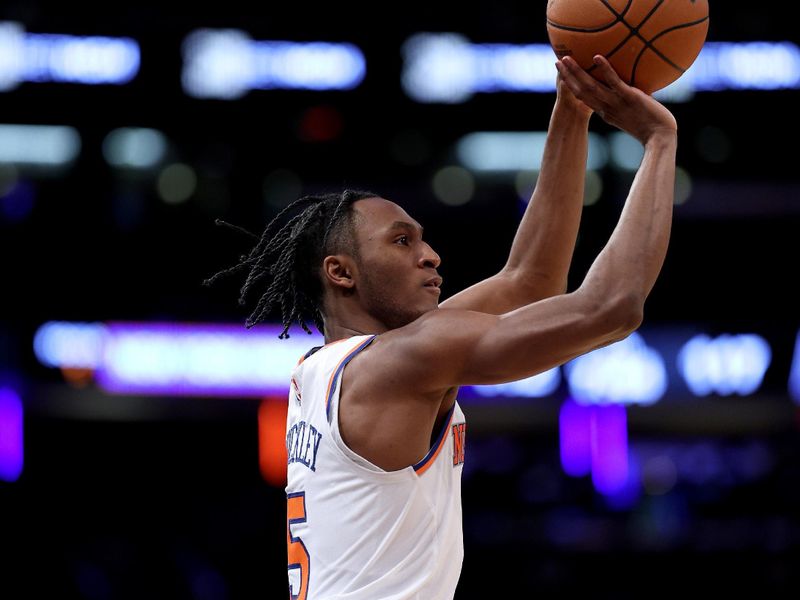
x=403 y=239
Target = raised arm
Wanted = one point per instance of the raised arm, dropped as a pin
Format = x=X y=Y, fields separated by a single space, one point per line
x=541 y=252
x=453 y=347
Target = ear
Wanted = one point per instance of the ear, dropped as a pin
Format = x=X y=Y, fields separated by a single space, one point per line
x=338 y=271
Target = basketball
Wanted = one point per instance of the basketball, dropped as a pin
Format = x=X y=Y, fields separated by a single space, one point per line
x=650 y=43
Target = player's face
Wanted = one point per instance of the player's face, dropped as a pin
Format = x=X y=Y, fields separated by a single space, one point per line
x=397 y=279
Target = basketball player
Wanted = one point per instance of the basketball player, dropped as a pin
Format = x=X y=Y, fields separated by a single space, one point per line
x=375 y=436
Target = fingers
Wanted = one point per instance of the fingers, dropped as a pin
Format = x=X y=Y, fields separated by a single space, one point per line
x=606 y=71
x=573 y=68
x=569 y=79
x=562 y=77
x=616 y=102
x=585 y=87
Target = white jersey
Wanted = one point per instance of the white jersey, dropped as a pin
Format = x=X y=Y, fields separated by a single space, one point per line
x=355 y=531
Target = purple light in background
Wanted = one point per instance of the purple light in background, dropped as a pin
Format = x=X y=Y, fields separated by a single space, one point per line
x=10 y=435
x=17 y=203
x=575 y=438
x=199 y=359
x=609 y=448
x=794 y=373
x=629 y=494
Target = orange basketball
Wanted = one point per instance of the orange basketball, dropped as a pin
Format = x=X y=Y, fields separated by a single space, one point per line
x=650 y=43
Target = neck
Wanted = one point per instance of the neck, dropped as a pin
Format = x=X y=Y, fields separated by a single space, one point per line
x=334 y=334
x=346 y=321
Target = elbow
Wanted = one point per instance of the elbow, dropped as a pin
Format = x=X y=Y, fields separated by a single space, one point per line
x=625 y=314
x=616 y=316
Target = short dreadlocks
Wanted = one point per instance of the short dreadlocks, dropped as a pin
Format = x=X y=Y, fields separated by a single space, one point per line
x=291 y=255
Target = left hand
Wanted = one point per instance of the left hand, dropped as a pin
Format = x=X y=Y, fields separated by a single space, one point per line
x=566 y=98
x=625 y=107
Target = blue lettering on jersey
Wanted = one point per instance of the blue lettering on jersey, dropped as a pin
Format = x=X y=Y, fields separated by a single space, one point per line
x=302 y=444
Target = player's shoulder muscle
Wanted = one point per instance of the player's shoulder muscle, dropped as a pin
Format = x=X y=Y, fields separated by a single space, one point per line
x=424 y=354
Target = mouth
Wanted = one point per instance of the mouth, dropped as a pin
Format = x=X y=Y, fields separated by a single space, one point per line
x=433 y=284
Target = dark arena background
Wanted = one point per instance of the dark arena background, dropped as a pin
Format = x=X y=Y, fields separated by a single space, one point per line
x=141 y=425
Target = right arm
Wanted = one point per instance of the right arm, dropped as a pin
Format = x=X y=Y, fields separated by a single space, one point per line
x=445 y=348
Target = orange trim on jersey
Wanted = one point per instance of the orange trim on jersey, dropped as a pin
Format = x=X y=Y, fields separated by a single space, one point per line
x=296 y=389
x=426 y=462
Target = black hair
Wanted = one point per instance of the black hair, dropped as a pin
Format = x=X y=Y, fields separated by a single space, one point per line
x=291 y=255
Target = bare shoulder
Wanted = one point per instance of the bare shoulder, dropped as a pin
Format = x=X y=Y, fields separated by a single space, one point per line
x=434 y=335
x=450 y=347
x=410 y=357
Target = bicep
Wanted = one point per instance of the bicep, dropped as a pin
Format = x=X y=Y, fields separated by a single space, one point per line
x=457 y=347
x=533 y=339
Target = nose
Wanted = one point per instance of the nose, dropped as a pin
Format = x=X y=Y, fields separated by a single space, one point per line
x=429 y=258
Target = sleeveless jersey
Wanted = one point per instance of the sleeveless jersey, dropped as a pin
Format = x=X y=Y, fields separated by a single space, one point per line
x=355 y=531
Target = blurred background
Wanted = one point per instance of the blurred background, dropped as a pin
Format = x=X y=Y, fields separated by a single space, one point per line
x=141 y=425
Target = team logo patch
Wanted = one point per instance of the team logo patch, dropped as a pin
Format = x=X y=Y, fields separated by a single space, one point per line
x=459 y=434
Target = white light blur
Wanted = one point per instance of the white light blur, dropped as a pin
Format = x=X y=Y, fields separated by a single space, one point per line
x=225 y=360
x=134 y=148
x=498 y=151
x=537 y=386
x=51 y=57
x=628 y=372
x=80 y=59
x=448 y=68
x=39 y=145
x=226 y=64
x=216 y=64
x=515 y=68
x=12 y=55
x=725 y=365
x=186 y=359
x=70 y=345
x=746 y=66
x=309 y=65
x=626 y=151
x=438 y=68
x=680 y=90
x=182 y=359
x=725 y=66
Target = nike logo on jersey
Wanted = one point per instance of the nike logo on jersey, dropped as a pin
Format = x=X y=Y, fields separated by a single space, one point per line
x=296 y=389
x=302 y=444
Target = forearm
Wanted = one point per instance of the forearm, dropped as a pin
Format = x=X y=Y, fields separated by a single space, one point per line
x=631 y=261
x=545 y=240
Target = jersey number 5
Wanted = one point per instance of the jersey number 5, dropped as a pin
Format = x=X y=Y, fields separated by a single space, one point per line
x=298 y=555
